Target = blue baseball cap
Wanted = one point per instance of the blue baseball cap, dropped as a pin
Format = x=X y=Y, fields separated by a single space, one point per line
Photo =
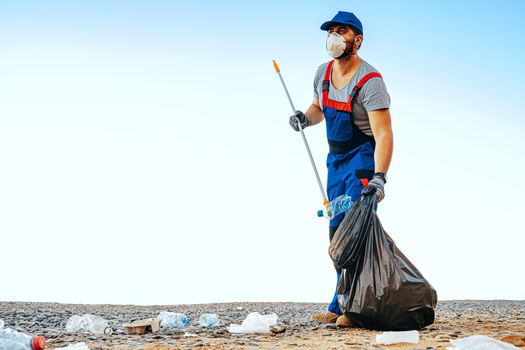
x=342 y=17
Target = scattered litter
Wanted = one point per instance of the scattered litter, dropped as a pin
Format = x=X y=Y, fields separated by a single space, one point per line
x=172 y=319
x=14 y=340
x=186 y=334
x=143 y=326
x=77 y=346
x=88 y=323
x=277 y=329
x=239 y=308
x=254 y=323
x=209 y=320
x=1 y=324
x=387 y=338
x=480 y=342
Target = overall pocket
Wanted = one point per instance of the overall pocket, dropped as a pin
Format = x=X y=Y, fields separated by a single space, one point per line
x=338 y=125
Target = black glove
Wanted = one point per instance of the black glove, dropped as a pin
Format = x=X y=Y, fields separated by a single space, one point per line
x=376 y=186
x=303 y=119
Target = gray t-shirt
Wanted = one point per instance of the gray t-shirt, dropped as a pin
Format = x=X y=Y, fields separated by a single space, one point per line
x=373 y=95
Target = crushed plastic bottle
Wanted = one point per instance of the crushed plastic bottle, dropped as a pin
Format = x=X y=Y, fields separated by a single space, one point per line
x=209 y=320
x=387 y=338
x=173 y=319
x=13 y=340
x=88 y=323
x=337 y=206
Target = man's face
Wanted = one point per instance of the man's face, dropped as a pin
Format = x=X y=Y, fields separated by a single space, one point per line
x=346 y=32
x=341 y=30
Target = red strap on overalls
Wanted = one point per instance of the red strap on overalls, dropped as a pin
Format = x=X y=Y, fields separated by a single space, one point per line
x=343 y=106
x=364 y=182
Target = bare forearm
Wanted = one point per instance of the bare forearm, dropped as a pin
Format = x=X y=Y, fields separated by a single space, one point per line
x=383 y=151
x=315 y=115
x=380 y=122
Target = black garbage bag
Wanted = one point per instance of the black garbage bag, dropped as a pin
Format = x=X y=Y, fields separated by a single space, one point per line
x=380 y=288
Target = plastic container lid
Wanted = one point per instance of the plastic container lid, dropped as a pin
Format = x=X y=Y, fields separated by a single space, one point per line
x=38 y=342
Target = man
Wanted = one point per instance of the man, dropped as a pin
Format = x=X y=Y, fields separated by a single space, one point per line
x=351 y=96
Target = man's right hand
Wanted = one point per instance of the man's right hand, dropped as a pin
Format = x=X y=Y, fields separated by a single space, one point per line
x=298 y=117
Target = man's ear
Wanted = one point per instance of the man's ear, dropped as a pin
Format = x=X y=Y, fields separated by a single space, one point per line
x=359 y=41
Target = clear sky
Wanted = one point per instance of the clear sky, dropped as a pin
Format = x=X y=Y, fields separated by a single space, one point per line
x=146 y=155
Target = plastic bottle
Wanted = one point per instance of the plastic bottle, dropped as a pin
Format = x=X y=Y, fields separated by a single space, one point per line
x=398 y=337
x=13 y=340
x=173 y=319
x=337 y=206
x=209 y=320
x=88 y=323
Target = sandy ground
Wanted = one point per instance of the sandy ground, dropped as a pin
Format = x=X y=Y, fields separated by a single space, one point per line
x=454 y=320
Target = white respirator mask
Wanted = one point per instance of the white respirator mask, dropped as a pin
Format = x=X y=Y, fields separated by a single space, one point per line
x=336 y=45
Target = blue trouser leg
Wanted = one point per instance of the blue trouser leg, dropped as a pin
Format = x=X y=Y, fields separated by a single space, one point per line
x=342 y=180
x=334 y=304
x=336 y=187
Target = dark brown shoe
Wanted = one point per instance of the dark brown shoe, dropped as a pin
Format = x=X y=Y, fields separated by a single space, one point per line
x=325 y=317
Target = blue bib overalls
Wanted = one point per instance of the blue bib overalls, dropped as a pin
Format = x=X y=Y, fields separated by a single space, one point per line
x=350 y=160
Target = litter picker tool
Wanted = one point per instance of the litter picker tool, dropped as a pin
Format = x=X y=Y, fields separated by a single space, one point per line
x=326 y=204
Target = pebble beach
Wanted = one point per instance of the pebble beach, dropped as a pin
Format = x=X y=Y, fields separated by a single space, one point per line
x=499 y=319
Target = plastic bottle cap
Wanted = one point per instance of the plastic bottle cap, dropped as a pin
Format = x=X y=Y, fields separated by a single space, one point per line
x=320 y=213
x=38 y=343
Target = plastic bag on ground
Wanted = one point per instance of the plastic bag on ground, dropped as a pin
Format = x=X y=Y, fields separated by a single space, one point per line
x=88 y=323
x=172 y=319
x=77 y=346
x=380 y=288
x=254 y=323
x=480 y=342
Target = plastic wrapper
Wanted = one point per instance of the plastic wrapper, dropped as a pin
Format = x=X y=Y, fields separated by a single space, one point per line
x=88 y=323
x=380 y=288
x=254 y=323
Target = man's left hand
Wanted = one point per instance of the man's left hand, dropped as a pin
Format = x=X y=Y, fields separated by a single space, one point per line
x=376 y=185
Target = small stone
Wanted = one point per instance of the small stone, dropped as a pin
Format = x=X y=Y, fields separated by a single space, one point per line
x=278 y=329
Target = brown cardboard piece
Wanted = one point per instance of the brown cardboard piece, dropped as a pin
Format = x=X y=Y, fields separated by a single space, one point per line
x=143 y=326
